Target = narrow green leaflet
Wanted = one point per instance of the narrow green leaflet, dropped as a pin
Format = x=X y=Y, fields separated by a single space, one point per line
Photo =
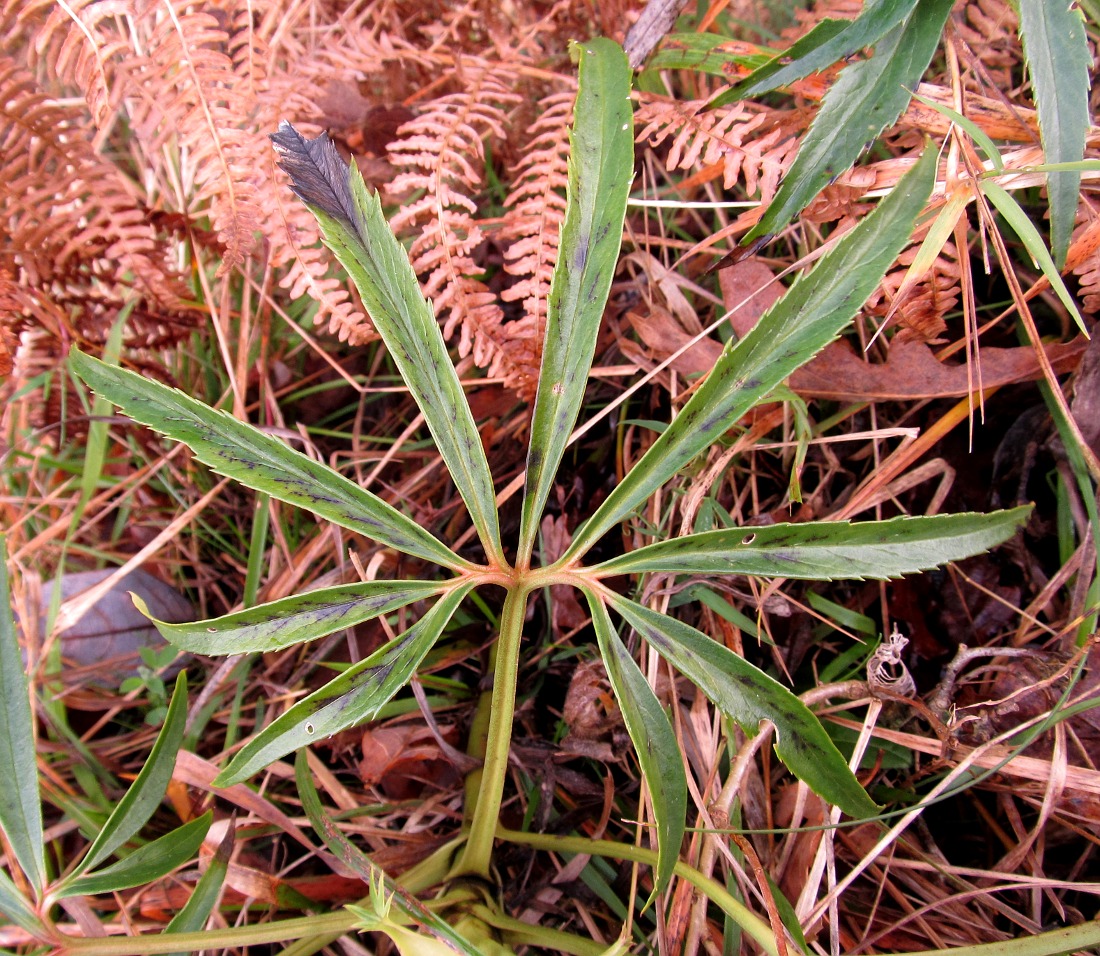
x=973 y=130
x=828 y=42
x=355 y=229
x=704 y=53
x=293 y=620
x=196 y=911
x=1025 y=229
x=1059 y=64
x=17 y=909
x=20 y=806
x=240 y=451
x=812 y=313
x=826 y=550
x=867 y=97
x=601 y=166
x=146 y=864
x=146 y=792
x=747 y=695
x=347 y=700
x=372 y=874
x=654 y=741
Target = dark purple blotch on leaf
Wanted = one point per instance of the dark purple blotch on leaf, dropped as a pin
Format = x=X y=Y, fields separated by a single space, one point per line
x=319 y=177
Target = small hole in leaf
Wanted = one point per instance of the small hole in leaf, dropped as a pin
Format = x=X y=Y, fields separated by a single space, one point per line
x=309 y=728
x=748 y=539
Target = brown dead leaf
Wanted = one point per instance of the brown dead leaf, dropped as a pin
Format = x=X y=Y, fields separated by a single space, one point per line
x=400 y=760
x=566 y=612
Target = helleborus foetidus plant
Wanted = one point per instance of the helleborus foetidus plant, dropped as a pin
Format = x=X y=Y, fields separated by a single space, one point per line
x=812 y=313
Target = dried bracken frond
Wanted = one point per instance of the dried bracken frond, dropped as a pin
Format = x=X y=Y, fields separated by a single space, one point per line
x=921 y=314
x=745 y=141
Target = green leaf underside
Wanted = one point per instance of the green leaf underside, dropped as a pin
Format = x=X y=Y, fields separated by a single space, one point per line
x=1058 y=61
x=355 y=229
x=654 y=741
x=362 y=865
x=147 y=791
x=293 y=620
x=828 y=42
x=20 y=803
x=601 y=166
x=146 y=864
x=826 y=550
x=348 y=699
x=238 y=450
x=747 y=696
x=866 y=98
x=811 y=314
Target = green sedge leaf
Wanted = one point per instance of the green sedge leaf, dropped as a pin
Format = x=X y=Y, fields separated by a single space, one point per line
x=654 y=741
x=704 y=53
x=601 y=166
x=146 y=864
x=811 y=314
x=355 y=229
x=972 y=129
x=293 y=620
x=747 y=695
x=146 y=792
x=867 y=97
x=20 y=803
x=349 y=699
x=362 y=865
x=238 y=450
x=827 y=43
x=1058 y=61
x=826 y=550
x=1025 y=229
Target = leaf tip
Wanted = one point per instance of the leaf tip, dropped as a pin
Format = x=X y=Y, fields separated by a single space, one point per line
x=318 y=176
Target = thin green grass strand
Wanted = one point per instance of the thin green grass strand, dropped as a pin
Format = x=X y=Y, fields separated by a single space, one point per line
x=601 y=167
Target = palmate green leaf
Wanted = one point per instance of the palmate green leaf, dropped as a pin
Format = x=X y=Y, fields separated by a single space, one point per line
x=144 y=865
x=146 y=792
x=828 y=42
x=601 y=166
x=867 y=97
x=293 y=620
x=747 y=695
x=362 y=865
x=355 y=229
x=349 y=699
x=1059 y=63
x=238 y=450
x=812 y=313
x=20 y=803
x=826 y=550
x=654 y=741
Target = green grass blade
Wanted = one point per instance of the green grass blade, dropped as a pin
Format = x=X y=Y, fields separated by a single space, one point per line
x=146 y=792
x=972 y=129
x=826 y=550
x=867 y=97
x=1025 y=230
x=812 y=313
x=747 y=695
x=372 y=874
x=146 y=864
x=237 y=450
x=355 y=229
x=292 y=620
x=351 y=698
x=704 y=53
x=601 y=166
x=20 y=803
x=196 y=911
x=828 y=42
x=654 y=741
x=1059 y=63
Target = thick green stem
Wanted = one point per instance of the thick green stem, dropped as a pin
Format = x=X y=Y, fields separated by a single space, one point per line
x=485 y=787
